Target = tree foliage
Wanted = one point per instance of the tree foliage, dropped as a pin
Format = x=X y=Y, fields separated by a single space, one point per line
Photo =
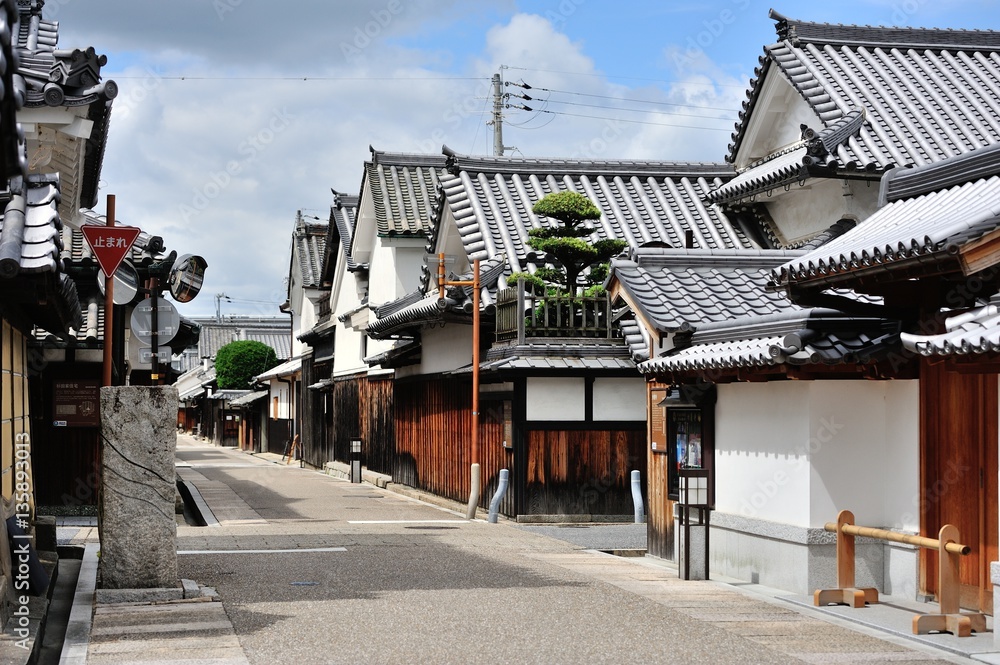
x=238 y=362
x=564 y=243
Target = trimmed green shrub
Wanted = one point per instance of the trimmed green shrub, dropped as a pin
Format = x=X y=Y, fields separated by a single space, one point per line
x=238 y=362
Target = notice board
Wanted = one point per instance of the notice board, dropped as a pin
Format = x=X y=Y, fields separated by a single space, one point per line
x=76 y=403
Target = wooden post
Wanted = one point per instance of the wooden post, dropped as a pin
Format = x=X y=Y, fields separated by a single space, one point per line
x=951 y=619
x=845 y=593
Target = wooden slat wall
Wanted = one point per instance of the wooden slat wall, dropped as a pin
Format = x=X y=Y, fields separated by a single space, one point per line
x=660 y=510
x=363 y=408
x=346 y=417
x=311 y=426
x=433 y=437
x=377 y=424
x=583 y=472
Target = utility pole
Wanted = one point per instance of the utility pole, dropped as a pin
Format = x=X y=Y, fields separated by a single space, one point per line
x=218 y=306
x=497 y=116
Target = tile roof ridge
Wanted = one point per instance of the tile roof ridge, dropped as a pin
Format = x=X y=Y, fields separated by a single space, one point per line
x=910 y=182
x=797 y=31
x=382 y=157
x=570 y=165
x=735 y=255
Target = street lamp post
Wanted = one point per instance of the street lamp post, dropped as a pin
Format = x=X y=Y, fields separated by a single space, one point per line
x=475 y=472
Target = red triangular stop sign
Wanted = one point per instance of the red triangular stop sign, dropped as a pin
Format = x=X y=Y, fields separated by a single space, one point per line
x=110 y=244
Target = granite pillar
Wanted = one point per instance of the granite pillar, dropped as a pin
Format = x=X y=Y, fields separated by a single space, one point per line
x=138 y=528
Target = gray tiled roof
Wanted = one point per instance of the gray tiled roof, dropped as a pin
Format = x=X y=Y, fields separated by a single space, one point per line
x=680 y=290
x=404 y=190
x=309 y=241
x=425 y=310
x=13 y=156
x=974 y=332
x=792 y=164
x=558 y=354
x=793 y=339
x=249 y=398
x=50 y=76
x=911 y=229
x=423 y=305
x=275 y=333
x=343 y=214
x=491 y=200
x=636 y=338
x=928 y=94
x=559 y=363
x=30 y=228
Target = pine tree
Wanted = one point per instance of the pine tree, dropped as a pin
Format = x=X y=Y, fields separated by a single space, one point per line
x=564 y=245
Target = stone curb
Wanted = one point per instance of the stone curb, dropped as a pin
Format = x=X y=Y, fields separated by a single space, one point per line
x=77 y=639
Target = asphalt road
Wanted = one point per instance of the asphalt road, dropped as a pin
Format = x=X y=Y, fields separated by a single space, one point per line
x=418 y=584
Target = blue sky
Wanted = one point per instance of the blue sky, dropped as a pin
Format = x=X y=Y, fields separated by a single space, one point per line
x=235 y=114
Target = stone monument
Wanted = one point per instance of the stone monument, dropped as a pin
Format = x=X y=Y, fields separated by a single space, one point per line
x=138 y=527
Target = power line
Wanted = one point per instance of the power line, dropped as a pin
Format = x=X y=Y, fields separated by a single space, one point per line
x=622 y=99
x=635 y=122
x=618 y=108
x=182 y=77
x=631 y=78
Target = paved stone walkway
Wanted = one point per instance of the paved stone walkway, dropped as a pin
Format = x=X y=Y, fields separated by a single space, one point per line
x=778 y=627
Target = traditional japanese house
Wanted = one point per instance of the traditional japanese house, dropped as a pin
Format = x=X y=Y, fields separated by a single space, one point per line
x=64 y=116
x=931 y=254
x=814 y=409
x=381 y=237
x=562 y=406
x=322 y=256
x=34 y=290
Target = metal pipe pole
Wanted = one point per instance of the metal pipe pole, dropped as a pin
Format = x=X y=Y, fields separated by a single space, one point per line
x=154 y=287
x=109 y=305
x=475 y=485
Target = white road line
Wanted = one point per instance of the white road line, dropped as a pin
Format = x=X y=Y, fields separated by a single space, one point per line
x=406 y=521
x=302 y=550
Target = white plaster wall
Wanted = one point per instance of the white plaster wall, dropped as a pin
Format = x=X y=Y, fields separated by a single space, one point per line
x=382 y=276
x=281 y=391
x=348 y=343
x=806 y=210
x=620 y=399
x=848 y=451
x=408 y=262
x=442 y=349
x=902 y=482
x=761 y=451
x=556 y=398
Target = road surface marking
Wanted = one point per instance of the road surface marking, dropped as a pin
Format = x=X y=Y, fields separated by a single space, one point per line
x=302 y=550
x=405 y=521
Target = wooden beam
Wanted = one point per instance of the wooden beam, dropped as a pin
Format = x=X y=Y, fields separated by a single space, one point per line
x=981 y=254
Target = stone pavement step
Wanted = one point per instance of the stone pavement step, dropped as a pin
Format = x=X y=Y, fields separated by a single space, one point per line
x=179 y=632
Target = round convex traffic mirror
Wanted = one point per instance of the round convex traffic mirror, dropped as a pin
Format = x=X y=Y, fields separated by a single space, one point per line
x=126 y=283
x=186 y=277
